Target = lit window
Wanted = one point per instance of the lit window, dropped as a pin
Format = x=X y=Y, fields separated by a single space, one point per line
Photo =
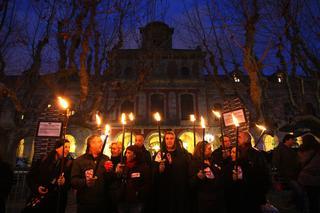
x=236 y=79
x=279 y=79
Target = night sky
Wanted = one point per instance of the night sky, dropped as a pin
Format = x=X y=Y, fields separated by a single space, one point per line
x=172 y=12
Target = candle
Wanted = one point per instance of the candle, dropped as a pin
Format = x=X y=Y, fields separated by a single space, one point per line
x=236 y=124
x=64 y=105
x=218 y=115
x=157 y=117
x=124 y=122
x=131 y=118
x=193 y=119
x=263 y=129
x=98 y=121
x=203 y=125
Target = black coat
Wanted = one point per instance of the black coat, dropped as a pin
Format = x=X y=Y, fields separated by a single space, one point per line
x=255 y=183
x=95 y=196
x=208 y=192
x=45 y=172
x=134 y=184
x=171 y=187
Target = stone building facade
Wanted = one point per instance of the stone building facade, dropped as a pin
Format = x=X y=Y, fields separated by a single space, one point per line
x=159 y=78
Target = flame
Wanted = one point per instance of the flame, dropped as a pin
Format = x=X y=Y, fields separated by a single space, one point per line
x=157 y=116
x=156 y=147
x=123 y=119
x=263 y=128
x=107 y=129
x=217 y=114
x=203 y=125
x=192 y=118
x=131 y=116
x=235 y=120
x=98 y=120
x=63 y=103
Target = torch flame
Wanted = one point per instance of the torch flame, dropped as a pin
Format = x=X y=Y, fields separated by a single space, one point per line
x=263 y=128
x=123 y=119
x=192 y=118
x=107 y=129
x=217 y=114
x=235 y=120
x=63 y=103
x=157 y=116
x=203 y=125
x=98 y=120
x=131 y=116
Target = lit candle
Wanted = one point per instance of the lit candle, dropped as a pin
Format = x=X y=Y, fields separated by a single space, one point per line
x=98 y=121
x=124 y=122
x=131 y=118
x=263 y=129
x=203 y=125
x=64 y=105
x=236 y=124
x=193 y=119
x=106 y=132
x=218 y=115
x=157 y=117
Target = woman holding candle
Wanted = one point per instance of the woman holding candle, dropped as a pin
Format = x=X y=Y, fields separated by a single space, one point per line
x=171 y=177
x=206 y=180
x=134 y=178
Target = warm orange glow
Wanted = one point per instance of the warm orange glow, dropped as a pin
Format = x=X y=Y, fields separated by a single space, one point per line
x=203 y=125
x=107 y=129
x=63 y=103
x=263 y=128
x=98 y=120
x=217 y=114
x=192 y=118
x=123 y=119
x=131 y=116
x=235 y=120
x=157 y=116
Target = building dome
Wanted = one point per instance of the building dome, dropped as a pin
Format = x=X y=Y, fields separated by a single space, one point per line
x=156 y=35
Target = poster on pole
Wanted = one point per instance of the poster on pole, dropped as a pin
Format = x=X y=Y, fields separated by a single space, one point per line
x=238 y=113
x=49 y=129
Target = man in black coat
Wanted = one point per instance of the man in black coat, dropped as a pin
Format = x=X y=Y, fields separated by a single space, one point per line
x=170 y=172
x=222 y=155
x=49 y=180
x=255 y=174
x=90 y=173
x=139 y=142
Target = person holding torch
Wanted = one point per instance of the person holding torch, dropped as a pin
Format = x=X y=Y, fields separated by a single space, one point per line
x=249 y=175
x=170 y=172
x=89 y=176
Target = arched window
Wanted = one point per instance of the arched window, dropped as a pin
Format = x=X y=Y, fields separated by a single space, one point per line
x=186 y=106
x=185 y=72
x=127 y=107
x=157 y=104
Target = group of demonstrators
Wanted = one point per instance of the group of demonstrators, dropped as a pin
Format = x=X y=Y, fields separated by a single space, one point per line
x=229 y=179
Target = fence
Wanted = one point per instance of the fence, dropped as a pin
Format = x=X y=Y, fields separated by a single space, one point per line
x=19 y=192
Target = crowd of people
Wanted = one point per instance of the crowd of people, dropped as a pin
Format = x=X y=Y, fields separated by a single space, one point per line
x=228 y=179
